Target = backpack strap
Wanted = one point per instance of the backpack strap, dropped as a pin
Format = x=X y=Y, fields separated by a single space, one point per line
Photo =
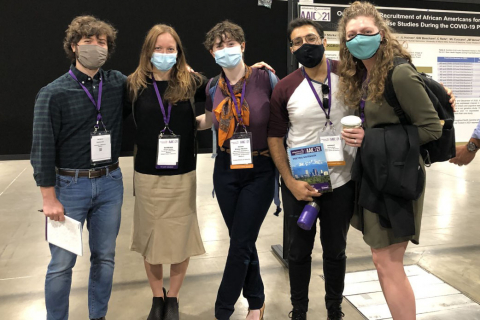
x=276 y=196
x=212 y=87
x=410 y=177
x=389 y=93
x=273 y=79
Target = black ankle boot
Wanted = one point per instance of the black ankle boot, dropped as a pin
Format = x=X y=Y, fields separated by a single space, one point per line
x=171 y=309
x=158 y=308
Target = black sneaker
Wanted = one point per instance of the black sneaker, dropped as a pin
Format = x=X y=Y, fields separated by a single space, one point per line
x=297 y=314
x=335 y=314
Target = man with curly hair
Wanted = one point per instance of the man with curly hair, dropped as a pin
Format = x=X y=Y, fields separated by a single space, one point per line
x=76 y=144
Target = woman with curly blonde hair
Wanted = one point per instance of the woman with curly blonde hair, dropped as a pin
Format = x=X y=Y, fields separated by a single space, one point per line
x=367 y=51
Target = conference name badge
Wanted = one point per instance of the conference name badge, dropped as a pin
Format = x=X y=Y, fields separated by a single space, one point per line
x=101 y=147
x=168 y=151
x=333 y=150
x=241 y=151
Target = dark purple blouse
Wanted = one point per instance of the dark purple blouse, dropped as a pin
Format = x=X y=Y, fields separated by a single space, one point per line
x=257 y=94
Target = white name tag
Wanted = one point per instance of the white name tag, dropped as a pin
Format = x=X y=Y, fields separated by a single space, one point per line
x=333 y=150
x=241 y=151
x=168 y=152
x=101 y=147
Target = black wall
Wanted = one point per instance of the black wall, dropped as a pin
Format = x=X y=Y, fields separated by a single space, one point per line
x=460 y=1
x=31 y=54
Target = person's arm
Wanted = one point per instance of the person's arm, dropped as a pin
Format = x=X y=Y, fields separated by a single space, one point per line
x=46 y=124
x=453 y=100
x=204 y=121
x=279 y=157
x=262 y=64
x=411 y=94
x=300 y=189
x=52 y=208
x=463 y=156
x=127 y=102
x=476 y=133
x=353 y=137
x=277 y=130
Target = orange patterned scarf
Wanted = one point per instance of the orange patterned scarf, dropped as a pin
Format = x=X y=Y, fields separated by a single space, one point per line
x=225 y=111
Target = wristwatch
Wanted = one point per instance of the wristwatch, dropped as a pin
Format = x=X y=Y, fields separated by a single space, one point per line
x=472 y=147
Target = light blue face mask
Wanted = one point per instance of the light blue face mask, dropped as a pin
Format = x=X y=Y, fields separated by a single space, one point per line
x=229 y=57
x=164 y=61
x=364 y=46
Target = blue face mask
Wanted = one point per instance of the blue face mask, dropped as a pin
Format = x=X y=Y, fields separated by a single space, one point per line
x=164 y=61
x=229 y=57
x=364 y=46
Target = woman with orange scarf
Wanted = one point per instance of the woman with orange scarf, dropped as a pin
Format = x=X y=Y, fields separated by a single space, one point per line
x=244 y=174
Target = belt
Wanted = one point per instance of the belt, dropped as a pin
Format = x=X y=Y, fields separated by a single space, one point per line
x=265 y=153
x=88 y=173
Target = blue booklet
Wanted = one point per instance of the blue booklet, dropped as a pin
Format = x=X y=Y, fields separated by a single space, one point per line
x=309 y=164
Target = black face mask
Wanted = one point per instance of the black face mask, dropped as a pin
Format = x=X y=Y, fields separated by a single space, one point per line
x=310 y=55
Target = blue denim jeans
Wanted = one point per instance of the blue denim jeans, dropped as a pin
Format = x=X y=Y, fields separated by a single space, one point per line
x=99 y=201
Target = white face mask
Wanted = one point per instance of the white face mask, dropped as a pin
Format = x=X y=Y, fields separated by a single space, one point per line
x=228 y=57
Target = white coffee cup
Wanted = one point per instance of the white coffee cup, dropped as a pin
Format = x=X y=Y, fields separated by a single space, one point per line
x=351 y=122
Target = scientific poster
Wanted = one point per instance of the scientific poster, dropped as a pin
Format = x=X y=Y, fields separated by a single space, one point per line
x=443 y=44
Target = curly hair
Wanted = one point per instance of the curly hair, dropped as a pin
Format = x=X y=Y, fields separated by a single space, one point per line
x=87 y=26
x=352 y=87
x=182 y=84
x=223 y=29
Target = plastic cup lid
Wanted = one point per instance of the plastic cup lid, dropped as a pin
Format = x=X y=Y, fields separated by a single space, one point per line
x=351 y=121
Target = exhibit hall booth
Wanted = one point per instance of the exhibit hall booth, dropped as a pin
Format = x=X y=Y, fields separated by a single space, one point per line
x=110 y=198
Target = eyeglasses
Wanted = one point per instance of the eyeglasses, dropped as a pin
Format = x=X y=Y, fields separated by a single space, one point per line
x=326 y=101
x=325 y=88
x=309 y=38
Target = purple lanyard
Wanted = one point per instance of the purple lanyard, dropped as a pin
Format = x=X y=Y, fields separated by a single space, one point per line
x=327 y=114
x=362 y=110
x=166 y=118
x=362 y=103
x=232 y=94
x=96 y=104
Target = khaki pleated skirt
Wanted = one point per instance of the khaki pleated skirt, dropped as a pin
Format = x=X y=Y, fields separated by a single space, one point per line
x=165 y=225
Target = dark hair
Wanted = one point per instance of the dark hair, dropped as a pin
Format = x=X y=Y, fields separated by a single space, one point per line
x=224 y=28
x=87 y=26
x=300 y=22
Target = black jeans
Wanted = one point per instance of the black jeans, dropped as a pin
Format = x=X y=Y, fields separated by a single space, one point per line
x=244 y=197
x=336 y=210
